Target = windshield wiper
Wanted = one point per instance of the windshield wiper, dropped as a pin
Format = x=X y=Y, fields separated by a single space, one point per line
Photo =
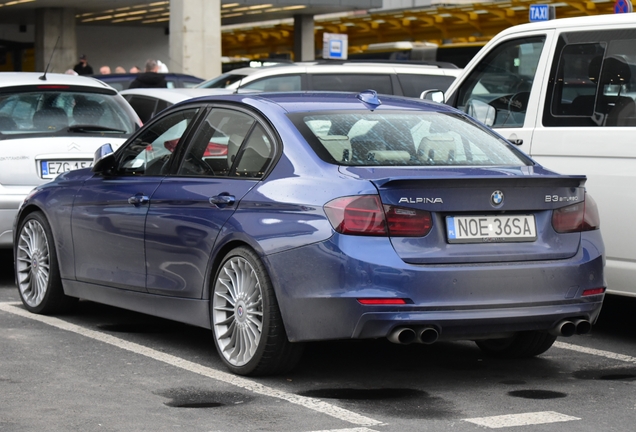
x=93 y=128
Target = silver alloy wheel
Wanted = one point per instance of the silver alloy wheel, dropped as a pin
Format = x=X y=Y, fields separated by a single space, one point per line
x=237 y=311
x=33 y=263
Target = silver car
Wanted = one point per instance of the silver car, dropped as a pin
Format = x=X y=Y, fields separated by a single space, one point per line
x=50 y=124
x=402 y=79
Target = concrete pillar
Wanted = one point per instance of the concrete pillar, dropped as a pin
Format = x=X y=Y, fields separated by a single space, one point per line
x=195 y=37
x=304 y=45
x=51 y=24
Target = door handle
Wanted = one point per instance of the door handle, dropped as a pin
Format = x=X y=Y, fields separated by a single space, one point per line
x=517 y=141
x=138 y=200
x=224 y=200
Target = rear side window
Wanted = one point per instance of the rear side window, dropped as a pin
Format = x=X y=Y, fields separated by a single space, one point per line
x=352 y=82
x=404 y=139
x=414 y=84
x=144 y=107
x=593 y=80
x=281 y=83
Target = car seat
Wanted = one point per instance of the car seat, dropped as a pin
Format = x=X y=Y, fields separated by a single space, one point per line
x=51 y=118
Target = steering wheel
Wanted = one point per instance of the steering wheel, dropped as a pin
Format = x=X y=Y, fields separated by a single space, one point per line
x=517 y=107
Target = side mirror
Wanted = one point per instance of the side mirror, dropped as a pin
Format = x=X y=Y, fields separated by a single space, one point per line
x=433 y=95
x=481 y=111
x=104 y=159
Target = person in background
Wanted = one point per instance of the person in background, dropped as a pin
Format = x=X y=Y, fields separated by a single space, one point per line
x=162 y=67
x=70 y=72
x=120 y=69
x=83 y=68
x=104 y=70
x=135 y=69
x=151 y=78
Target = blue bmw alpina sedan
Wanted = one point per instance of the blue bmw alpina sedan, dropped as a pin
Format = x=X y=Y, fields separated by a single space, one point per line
x=276 y=219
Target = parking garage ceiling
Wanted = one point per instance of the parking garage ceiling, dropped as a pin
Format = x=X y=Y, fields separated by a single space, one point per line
x=271 y=30
x=106 y=12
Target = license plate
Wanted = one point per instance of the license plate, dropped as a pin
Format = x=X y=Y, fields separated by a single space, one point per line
x=491 y=229
x=51 y=169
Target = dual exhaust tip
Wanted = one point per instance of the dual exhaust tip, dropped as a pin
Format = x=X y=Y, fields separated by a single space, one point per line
x=407 y=335
x=428 y=334
x=570 y=328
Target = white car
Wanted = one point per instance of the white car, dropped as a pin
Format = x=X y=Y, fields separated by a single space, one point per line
x=49 y=124
x=149 y=101
x=402 y=79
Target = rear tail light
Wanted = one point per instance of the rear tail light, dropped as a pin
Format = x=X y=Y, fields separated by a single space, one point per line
x=578 y=217
x=214 y=149
x=366 y=215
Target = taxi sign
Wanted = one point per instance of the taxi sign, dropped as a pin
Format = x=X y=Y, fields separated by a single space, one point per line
x=542 y=12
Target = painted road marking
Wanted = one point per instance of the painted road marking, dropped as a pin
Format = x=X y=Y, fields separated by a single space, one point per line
x=362 y=429
x=526 y=419
x=228 y=378
x=592 y=351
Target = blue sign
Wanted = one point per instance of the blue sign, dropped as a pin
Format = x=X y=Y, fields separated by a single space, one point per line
x=335 y=48
x=541 y=12
x=623 y=6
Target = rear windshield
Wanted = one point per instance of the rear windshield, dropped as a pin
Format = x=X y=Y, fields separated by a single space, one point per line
x=63 y=112
x=411 y=138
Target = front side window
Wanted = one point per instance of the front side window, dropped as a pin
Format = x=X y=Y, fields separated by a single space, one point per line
x=414 y=84
x=503 y=79
x=63 y=112
x=151 y=152
x=404 y=139
x=592 y=81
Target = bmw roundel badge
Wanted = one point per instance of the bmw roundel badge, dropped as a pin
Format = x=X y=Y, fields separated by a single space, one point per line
x=497 y=197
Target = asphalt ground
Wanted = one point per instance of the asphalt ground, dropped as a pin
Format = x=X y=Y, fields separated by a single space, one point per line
x=107 y=369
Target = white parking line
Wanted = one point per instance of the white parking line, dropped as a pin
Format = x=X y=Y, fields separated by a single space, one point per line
x=306 y=402
x=526 y=419
x=592 y=351
x=362 y=429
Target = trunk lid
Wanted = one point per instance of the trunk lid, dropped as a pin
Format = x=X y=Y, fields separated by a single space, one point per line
x=480 y=214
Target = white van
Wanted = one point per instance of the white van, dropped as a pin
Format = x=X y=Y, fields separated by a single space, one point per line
x=563 y=91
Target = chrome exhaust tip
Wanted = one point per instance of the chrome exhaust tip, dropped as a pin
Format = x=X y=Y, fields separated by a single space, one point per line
x=402 y=335
x=427 y=335
x=582 y=326
x=564 y=328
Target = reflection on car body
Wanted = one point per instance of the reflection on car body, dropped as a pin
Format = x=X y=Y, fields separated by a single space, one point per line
x=299 y=231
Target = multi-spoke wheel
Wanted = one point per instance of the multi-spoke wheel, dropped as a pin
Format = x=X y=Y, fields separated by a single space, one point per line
x=246 y=321
x=37 y=269
x=522 y=345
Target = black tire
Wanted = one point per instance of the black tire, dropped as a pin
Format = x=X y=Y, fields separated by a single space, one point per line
x=522 y=345
x=37 y=270
x=241 y=301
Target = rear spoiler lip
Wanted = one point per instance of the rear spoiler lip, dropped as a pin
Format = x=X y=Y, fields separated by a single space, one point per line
x=476 y=181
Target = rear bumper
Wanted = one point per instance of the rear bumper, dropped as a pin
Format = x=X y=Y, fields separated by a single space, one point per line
x=317 y=288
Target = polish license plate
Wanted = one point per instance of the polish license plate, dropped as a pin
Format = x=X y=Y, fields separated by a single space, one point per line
x=491 y=229
x=51 y=169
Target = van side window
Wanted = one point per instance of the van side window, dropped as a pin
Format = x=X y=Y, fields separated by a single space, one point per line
x=503 y=79
x=593 y=80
